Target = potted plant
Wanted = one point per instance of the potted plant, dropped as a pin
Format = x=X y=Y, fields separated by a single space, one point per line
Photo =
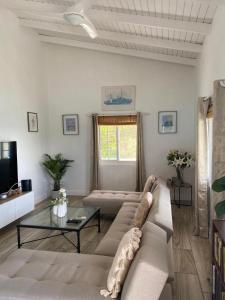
x=180 y=160
x=219 y=186
x=60 y=204
x=56 y=167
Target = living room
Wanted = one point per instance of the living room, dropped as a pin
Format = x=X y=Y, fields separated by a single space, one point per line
x=50 y=70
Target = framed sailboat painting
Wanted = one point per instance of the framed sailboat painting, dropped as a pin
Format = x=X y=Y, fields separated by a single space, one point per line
x=118 y=98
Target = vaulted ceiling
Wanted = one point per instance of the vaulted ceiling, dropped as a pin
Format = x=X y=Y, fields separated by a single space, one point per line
x=166 y=30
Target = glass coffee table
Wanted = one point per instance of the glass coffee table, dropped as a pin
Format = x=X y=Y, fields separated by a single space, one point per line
x=45 y=219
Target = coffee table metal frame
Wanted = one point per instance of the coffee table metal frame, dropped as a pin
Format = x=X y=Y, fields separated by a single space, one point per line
x=63 y=232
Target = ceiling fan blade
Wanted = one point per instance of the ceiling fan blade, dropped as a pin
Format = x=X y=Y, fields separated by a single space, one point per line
x=76 y=15
x=89 y=27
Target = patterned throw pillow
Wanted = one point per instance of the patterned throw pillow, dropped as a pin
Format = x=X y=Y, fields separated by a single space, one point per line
x=121 y=263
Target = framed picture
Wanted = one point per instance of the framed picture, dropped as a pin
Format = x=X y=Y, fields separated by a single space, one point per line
x=167 y=122
x=70 y=124
x=118 y=98
x=32 y=122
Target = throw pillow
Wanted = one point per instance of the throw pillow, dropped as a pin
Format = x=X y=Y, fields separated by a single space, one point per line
x=143 y=210
x=121 y=262
x=148 y=185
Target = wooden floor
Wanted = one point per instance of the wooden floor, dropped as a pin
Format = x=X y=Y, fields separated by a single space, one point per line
x=191 y=254
x=192 y=258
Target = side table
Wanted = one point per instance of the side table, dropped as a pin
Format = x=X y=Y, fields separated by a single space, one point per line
x=175 y=186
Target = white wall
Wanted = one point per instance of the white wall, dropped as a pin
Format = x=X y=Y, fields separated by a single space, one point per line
x=75 y=77
x=212 y=62
x=22 y=89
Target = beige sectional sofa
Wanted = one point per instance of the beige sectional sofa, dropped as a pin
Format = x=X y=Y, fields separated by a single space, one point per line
x=44 y=275
x=160 y=214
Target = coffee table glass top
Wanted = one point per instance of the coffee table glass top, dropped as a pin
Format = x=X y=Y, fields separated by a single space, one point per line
x=46 y=219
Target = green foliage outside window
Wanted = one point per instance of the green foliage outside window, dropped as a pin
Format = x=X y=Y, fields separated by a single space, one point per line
x=118 y=142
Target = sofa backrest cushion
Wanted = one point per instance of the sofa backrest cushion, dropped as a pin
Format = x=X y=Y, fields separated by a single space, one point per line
x=127 y=248
x=148 y=185
x=148 y=272
x=160 y=212
x=142 y=210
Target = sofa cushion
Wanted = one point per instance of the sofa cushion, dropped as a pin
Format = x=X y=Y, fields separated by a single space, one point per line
x=148 y=185
x=160 y=212
x=148 y=272
x=142 y=210
x=110 y=202
x=121 y=262
x=30 y=274
x=159 y=234
x=122 y=223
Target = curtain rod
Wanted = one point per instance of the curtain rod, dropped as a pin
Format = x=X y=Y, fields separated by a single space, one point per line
x=119 y=114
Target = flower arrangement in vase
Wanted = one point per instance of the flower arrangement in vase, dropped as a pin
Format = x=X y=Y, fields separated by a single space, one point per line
x=180 y=160
x=60 y=204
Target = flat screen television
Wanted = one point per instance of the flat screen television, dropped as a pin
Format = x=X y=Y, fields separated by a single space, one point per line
x=8 y=166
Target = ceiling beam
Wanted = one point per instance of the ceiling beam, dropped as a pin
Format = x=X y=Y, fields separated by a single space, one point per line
x=156 y=22
x=33 y=6
x=121 y=51
x=61 y=6
x=149 y=21
x=114 y=36
x=208 y=2
x=51 y=11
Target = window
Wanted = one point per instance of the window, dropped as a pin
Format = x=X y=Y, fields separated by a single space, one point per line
x=118 y=142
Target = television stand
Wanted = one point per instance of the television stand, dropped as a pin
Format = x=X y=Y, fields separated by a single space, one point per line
x=15 y=207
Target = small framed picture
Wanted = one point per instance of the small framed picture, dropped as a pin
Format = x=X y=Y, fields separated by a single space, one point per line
x=70 y=124
x=167 y=122
x=32 y=122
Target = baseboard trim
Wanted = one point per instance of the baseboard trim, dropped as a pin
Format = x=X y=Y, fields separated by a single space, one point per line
x=40 y=198
x=77 y=192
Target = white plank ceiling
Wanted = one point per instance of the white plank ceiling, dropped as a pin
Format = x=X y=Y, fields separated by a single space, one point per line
x=166 y=30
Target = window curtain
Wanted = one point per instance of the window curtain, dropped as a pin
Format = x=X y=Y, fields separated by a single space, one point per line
x=218 y=159
x=140 y=163
x=202 y=184
x=94 y=154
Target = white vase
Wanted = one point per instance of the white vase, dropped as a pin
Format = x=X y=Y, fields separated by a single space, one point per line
x=60 y=210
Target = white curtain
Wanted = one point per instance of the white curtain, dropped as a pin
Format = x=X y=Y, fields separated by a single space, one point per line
x=202 y=183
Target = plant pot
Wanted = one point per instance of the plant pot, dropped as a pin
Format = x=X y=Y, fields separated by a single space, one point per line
x=60 y=210
x=54 y=194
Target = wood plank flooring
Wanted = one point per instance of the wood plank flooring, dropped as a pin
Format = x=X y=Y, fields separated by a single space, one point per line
x=192 y=258
x=191 y=254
